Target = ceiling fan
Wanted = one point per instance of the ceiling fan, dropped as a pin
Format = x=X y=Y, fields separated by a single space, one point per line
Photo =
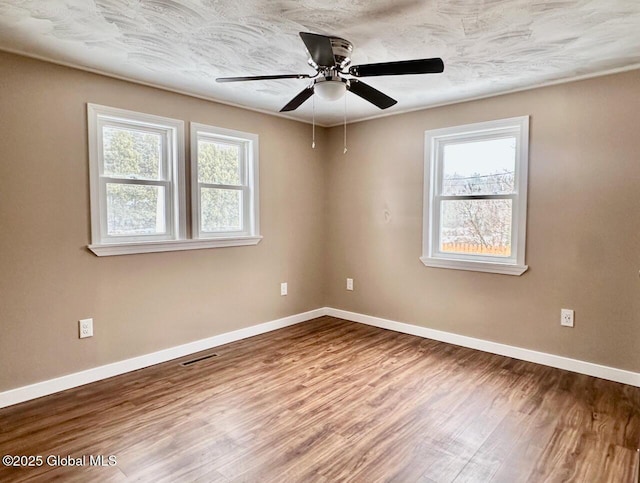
x=331 y=58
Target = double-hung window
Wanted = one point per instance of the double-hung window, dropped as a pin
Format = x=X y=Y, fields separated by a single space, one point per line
x=138 y=190
x=475 y=196
x=137 y=182
x=223 y=179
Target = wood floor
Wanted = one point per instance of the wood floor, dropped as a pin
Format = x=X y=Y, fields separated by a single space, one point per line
x=330 y=400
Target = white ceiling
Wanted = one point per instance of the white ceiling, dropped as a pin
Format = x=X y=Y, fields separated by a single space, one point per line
x=488 y=46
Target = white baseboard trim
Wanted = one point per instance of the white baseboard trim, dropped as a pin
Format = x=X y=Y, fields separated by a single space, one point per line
x=44 y=388
x=573 y=365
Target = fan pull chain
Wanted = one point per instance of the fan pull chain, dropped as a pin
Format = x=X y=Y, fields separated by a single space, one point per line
x=345 y=125
x=313 y=124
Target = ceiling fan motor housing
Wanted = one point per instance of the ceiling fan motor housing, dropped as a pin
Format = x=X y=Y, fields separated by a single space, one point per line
x=341 y=48
x=341 y=51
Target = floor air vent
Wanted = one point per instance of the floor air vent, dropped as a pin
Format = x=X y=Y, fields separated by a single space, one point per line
x=193 y=361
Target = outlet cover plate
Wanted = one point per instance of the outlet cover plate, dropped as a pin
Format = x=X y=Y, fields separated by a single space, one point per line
x=566 y=317
x=85 y=326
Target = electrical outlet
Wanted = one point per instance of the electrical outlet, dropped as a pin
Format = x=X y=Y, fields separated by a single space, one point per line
x=349 y=284
x=86 y=328
x=283 y=288
x=566 y=317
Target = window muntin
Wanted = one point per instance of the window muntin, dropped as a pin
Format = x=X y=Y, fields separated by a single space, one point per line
x=475 y=196
x=225 y=170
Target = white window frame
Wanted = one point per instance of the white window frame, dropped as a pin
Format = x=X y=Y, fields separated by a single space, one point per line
x=172 y=135
x=435 y=140
x=176 y=237
x=249 y=150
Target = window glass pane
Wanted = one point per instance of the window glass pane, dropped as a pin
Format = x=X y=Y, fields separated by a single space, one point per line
x=480 y=167
x=220 y=210
x=135 y=210
x=218 y=163
x=131 y=154
x=476 y=227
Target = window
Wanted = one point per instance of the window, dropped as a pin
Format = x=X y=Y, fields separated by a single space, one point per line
x=224 y=182
x=137 y=183
x=475 y=196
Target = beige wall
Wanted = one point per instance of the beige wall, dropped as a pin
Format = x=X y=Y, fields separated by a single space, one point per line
x=323 y=219
x=583 y=233
x=140 y=303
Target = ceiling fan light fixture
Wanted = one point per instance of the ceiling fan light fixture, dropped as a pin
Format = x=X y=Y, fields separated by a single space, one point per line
x=331 y=90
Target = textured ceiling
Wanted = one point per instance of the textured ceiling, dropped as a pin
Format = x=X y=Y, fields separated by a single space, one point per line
x=488 y=46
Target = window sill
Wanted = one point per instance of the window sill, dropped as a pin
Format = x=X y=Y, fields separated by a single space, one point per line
x=111 y=249
x=502 y=268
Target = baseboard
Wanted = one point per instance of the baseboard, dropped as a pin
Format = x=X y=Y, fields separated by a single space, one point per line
x=44 y=388
x=574 y=365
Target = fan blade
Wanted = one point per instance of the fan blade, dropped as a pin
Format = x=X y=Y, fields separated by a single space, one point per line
x=368 y=93
x=319 y=48
x=297 y=101
x=263 y=77
x=403 y=67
